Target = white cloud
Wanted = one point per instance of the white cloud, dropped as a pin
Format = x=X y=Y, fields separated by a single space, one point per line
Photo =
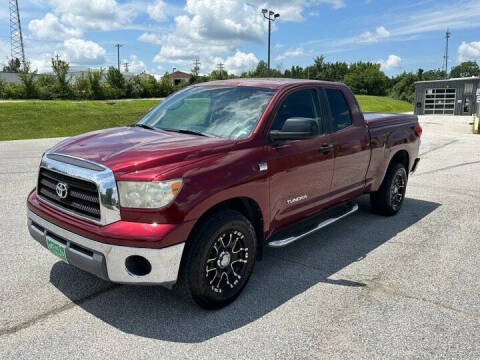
x=150 y=38
x=291 y=54
x=336 y=4
x=135 y=65
x=94 y=14
x=84 y=52
x=382 y=32
x=369 y=37
x=208 y=29
x=157 y=10
x=240 y=62
x=393 y=61
x=50 y=28
x=440 y=18
x=469 y=51
x=43 y=63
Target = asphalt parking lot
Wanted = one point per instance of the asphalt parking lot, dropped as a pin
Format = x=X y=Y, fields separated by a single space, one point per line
x=366 y=287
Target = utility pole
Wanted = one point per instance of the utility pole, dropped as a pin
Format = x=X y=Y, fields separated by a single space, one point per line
x=220 y=69
x=271 y=17
x=57 y=57
x=17 y=50
x=447 y=36
x=196 y=66
x=118 y=46
x=125 y=64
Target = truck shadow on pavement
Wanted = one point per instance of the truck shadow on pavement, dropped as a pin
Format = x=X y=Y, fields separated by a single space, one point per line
x=158 y=313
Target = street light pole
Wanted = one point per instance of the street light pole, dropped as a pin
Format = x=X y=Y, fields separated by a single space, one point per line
x=271 y=17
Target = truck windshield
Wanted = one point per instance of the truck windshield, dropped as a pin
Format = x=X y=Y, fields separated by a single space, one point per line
x=226 y=112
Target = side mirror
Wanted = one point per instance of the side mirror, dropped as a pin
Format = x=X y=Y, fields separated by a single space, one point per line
x=295 y=129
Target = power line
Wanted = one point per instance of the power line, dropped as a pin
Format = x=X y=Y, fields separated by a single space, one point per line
x=118 y=46
x=447 y=36
x=17 y=50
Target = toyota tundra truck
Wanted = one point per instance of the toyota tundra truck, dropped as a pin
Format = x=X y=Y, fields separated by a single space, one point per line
x=192 y=193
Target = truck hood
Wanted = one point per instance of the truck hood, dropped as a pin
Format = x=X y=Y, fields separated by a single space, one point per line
x=134 y=149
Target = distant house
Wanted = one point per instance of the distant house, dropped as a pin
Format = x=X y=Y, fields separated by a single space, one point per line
x=178 y=76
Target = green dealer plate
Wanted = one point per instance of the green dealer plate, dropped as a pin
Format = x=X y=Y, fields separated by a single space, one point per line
x=56 y=249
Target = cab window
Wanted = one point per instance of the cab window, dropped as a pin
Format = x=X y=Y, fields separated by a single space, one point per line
x=303 y=103
x=338 y=109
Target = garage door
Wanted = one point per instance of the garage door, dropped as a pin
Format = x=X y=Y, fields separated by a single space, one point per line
x=440 y=101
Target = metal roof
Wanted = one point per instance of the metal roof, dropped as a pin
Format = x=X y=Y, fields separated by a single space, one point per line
x=452 y=79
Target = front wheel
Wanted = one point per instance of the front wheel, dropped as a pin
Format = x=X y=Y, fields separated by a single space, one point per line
x=388 y=200
x=219 y=260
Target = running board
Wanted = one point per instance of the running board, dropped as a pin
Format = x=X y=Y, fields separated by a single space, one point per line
x=321 y=225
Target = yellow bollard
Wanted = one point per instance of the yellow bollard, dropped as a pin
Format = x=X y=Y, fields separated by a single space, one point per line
x=475 y=124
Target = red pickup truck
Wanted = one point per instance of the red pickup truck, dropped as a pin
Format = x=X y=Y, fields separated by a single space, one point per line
x=192 y=193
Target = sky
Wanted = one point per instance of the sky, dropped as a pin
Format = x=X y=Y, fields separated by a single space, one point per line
x=159 y=35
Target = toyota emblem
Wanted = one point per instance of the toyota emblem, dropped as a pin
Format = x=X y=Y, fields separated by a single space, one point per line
x=62 y=190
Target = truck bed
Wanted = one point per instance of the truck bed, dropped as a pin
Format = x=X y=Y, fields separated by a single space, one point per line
x=375 y=120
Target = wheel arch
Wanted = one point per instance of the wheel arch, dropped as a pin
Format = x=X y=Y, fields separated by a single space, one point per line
x=402 y=157
x=244 y=205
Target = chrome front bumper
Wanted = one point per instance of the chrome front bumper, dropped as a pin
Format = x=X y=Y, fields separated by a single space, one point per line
x=108 y=261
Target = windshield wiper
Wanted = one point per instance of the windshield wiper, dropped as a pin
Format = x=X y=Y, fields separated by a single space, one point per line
x=144 y=126
x=186 y=131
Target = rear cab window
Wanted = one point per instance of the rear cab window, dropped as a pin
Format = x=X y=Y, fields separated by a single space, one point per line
x=339 y=110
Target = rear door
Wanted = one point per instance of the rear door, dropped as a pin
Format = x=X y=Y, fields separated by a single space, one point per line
x=300 y=173
x=349 y=136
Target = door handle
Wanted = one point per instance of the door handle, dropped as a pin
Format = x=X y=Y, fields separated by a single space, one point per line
x=326 y=148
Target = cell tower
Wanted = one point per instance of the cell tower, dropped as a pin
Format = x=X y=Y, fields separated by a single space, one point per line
x=445 y=57
x=16 y=37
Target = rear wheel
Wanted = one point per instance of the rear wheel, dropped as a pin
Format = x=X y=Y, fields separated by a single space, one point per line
x=219 y=260
x=388 y=200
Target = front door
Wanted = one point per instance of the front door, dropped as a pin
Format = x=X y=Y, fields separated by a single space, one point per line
x=300 y=171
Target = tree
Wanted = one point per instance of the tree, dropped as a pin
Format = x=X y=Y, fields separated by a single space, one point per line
x=13 y=65
x=366 y=78
x=62 y=85
x=95 y=90
x=166 y=86
x=116 y=83
x=27 y=77
x=436 y=74
x=404 y=86
x=465 y=69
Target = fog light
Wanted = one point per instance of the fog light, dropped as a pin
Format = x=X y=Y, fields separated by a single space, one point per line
x=137 y=265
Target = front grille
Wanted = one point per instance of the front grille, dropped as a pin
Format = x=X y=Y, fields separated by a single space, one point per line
x=82 y=196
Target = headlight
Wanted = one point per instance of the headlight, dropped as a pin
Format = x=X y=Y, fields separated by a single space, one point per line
x=152 y=194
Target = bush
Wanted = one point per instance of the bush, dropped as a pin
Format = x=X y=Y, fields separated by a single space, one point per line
x=133 y=88
x=81 y=87
x=29 y=86
x=13 y=91
x=95 y=89
x=45 y=87
x=3 y=85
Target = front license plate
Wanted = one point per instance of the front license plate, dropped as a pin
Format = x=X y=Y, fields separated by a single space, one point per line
x=56 y=248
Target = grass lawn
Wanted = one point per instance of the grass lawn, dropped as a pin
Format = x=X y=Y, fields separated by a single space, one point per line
x=383 y=104
x=40 y=119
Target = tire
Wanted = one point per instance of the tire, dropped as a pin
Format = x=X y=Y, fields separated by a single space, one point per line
x=388 y=199
x=218 y=260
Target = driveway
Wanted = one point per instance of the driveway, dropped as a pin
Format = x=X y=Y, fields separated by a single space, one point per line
x=365 y=287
